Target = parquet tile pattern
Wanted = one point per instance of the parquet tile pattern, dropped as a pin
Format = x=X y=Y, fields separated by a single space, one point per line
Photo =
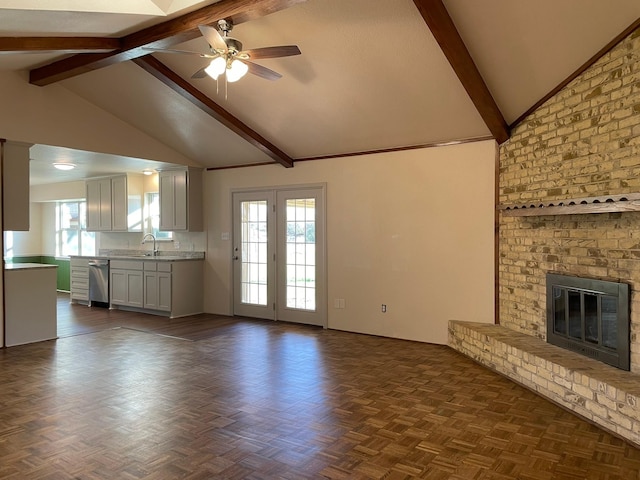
x=128 y=396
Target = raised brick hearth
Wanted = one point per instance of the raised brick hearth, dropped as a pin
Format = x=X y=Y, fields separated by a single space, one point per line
x=605 y=395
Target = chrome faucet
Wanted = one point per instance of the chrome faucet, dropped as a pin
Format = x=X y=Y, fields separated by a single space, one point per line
x=155 y=250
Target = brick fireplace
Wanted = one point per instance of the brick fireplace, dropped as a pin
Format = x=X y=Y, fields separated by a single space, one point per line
x=583 y=142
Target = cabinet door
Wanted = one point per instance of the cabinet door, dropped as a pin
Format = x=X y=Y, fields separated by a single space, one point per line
x=119 y=209
x=93 y=205
x=105 y=203
x=119 y=286
x=180 y=199
x=151 y=290
x=164 y=291
x=135 y=292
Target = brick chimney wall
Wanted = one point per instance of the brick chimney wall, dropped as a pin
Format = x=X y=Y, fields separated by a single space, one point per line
x=583 y=142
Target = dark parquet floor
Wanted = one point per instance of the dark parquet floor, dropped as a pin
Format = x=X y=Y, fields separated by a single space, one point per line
x=129 y=396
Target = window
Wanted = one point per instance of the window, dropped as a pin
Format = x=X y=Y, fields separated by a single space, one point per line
x=72 y=237
x=152 y=216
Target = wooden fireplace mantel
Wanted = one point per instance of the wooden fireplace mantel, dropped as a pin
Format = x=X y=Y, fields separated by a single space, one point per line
x=629 y=202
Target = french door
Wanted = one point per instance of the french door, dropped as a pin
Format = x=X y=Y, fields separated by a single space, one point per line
x=279 y=255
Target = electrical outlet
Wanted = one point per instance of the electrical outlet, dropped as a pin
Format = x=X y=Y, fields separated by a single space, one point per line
x=384 y=308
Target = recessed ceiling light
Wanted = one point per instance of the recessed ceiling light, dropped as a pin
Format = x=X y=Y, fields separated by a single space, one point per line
x=64 y=166
x=148 y=172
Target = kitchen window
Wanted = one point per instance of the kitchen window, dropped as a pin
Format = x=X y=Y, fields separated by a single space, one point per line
x=72 y=237
x=152 y=217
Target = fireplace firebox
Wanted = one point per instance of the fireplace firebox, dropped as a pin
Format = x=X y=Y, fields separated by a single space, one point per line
x=590 y=317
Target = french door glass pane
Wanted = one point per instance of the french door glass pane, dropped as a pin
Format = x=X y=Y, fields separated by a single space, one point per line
x=253 y=259
x=301 y=239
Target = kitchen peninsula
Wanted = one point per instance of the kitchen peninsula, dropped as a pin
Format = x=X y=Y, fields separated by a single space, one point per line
x=30 y=298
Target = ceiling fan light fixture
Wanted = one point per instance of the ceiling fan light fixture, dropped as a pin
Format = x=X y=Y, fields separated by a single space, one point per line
x=236 y=71
x=216 y=67
x=64 y=166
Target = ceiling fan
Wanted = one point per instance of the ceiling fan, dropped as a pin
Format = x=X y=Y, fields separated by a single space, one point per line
x=228 y=57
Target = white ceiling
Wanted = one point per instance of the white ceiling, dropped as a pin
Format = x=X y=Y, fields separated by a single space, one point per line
x=371 y=75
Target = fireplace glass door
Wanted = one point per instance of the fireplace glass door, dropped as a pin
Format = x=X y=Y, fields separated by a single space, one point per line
x=586 y=316
x=589 y=316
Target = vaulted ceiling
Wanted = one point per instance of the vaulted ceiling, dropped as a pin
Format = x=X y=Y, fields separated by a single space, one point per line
x=373 y=75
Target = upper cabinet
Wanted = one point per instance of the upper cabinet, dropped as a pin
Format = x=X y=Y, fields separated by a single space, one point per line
x=114 y=204
x=15 y=185
x=99 y=204
x=180 y=200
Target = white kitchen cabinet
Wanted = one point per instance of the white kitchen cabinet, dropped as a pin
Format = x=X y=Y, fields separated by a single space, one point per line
x=180 y=194
x=99 y=204
x=15 y=185
x=79 y=280
x=126 y=283
x=115 y=203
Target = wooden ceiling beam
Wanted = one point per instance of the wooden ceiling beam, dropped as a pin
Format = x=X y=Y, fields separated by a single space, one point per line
x=163 y=35
x=200 y=100
x=57 y=44
x=444 y=30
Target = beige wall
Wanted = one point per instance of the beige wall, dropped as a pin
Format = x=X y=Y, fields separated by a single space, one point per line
x=53 y=115
x=413 y=230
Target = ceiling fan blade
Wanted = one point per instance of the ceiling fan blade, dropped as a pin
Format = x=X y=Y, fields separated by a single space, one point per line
x=213 y=37
x=200 y=73
x=183 y=52
x=261 y=71
x=272 y=52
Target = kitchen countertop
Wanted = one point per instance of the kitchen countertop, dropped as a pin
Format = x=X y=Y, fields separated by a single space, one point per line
x=27 y=266
x=188 y=256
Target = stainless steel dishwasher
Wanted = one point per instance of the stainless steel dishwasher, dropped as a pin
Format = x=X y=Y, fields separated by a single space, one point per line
x=99 y=283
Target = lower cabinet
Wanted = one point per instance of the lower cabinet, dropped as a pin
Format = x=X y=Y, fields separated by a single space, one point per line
x=79 y=280
x=172 y=288
x=126 y=283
